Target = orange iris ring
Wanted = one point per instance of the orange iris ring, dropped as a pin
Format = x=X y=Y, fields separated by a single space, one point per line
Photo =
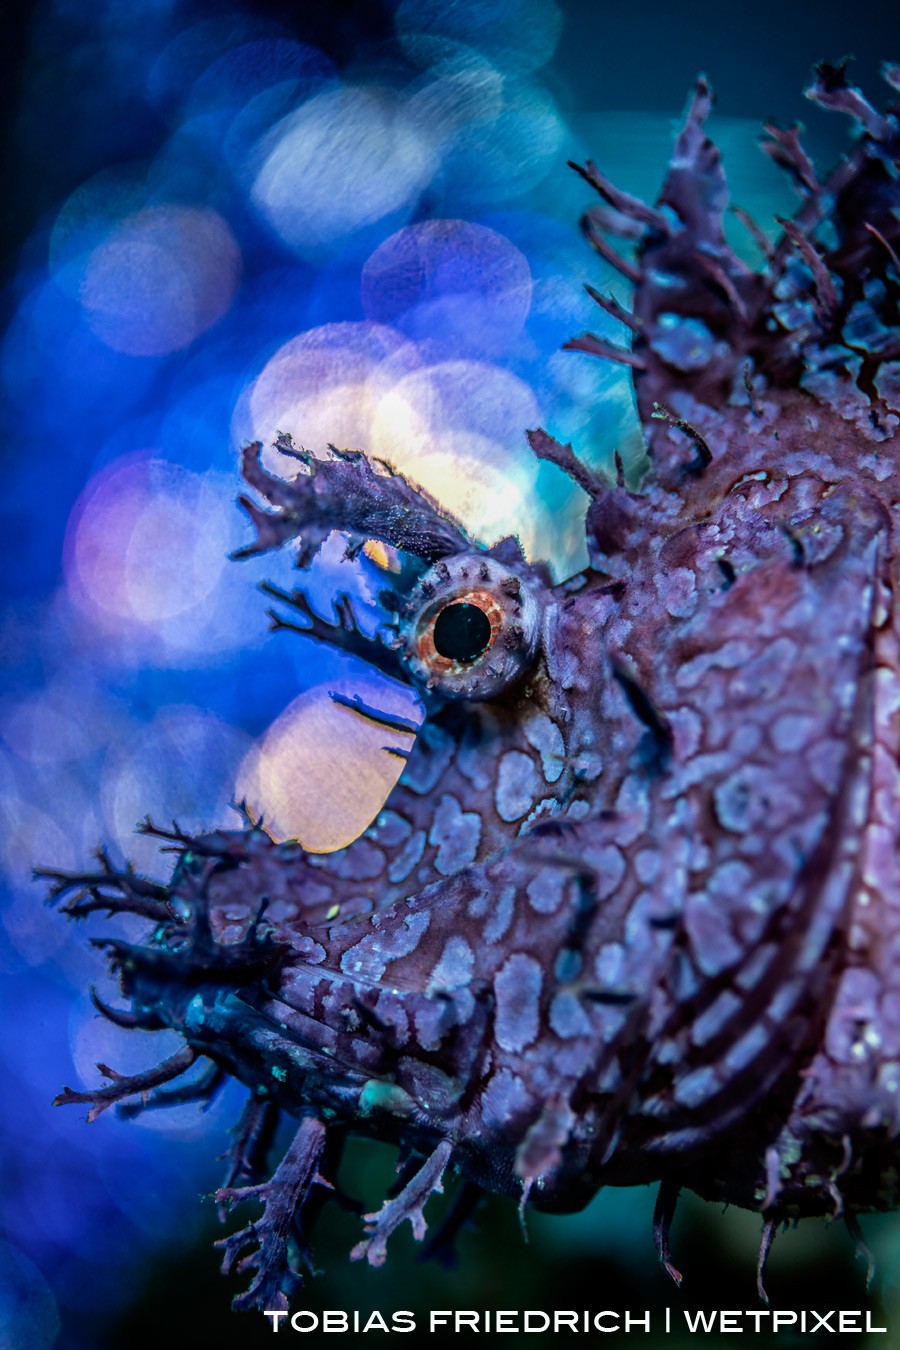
x=426 y=651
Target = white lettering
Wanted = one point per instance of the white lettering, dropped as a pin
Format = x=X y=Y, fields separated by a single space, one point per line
x=527 y=1323
x=599 y=1327
x=608 y=1320
x=304 y=1313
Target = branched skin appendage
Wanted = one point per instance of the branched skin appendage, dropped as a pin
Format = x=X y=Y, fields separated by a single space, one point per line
x=632 y=912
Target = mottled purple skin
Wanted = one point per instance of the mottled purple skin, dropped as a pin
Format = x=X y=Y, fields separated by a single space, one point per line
x=637 y=916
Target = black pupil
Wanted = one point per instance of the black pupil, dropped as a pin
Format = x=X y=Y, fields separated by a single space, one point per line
x=461 y=632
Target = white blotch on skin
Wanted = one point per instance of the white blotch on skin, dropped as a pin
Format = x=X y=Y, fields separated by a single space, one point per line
x=390 y=829
x=454 y=969
x=517 y=785
x=434 y=1018
x=646 y=865
x=456 y=833
x=480 y=903
x=610 y=868
x=408 y=856
x=567 y=1017
x=517 y=989
x=543 y=734
x=370 y=956
x=610 y=963
x=792 y=731
x=501 y=915
x=311 y=951
x=545 y=890
x=504 y=1098
x=713 y=945
x=677 y=590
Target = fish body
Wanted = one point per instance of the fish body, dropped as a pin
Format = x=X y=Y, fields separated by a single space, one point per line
x=631 y=913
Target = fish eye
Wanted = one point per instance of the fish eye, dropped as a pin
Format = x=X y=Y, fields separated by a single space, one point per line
x=462 y=632
x=470 y=627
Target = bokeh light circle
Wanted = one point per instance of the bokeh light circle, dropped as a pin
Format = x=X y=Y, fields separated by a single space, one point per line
x=451 y=284
x=456 y=430
x=183 y=764
x=322 y=388
x=345 y=159
x=160 y=278
x=520 y=35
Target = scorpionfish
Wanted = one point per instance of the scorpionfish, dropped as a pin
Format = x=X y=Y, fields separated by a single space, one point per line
x=632 y=912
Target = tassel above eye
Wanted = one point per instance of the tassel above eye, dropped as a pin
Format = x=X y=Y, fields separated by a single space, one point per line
x=360 y=497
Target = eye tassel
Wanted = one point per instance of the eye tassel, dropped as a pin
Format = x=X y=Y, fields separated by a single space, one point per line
x=359 y=496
